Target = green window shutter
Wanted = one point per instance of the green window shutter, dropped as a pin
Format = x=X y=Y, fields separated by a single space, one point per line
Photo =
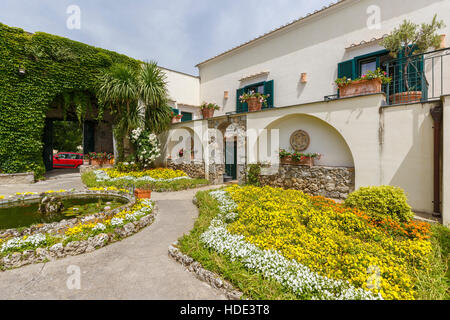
x=187 y=116
x=268 y=89
x=347 y=69
x=176 y=111
x=240 y=107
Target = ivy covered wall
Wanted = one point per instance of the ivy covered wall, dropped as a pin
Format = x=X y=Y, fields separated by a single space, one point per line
x=54 y=67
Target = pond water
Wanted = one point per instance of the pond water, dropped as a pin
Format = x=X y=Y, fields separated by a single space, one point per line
x=26 y=214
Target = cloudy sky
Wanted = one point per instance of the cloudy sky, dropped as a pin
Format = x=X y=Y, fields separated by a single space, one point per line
x=178 y=34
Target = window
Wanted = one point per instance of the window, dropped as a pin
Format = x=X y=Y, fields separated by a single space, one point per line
x=266 y=87
x=367 y=65
x=187 y=116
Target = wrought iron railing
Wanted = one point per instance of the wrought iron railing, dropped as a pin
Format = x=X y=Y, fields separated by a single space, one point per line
x=418 y=78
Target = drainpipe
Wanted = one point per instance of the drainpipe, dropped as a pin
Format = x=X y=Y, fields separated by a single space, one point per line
x=437 y=115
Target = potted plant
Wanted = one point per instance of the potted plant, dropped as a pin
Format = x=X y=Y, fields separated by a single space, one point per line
x=143 y=191
x=176 y=118
x=208 y=109
x=369 y=83
x=254 y=100
x=86 y=160
x=95 y=159
x=298 y=158
x=408 y=41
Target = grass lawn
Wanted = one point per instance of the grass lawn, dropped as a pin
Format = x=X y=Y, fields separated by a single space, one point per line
x=89 y=179
x=331 y=240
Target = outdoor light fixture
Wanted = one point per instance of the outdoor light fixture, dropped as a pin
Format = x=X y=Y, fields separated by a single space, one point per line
x=21 y=71
x=225 y=95
x=304 y=77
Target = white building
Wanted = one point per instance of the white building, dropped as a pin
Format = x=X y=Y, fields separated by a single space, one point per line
x=368 y=139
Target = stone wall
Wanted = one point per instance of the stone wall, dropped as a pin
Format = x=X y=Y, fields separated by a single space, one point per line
x=330 y=182
x=216 y=172
x=192 y=169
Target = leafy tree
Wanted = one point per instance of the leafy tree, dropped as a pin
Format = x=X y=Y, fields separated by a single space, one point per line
x=410 y=39
x=67 y=136
x=137 y=98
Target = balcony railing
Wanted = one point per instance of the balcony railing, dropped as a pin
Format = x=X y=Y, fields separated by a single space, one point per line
x=418 y=78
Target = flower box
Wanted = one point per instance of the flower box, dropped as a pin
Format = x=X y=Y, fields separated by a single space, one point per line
x=406 y=97
x=143 y=193
x=254 y=104
x=360 y=87
x=305 y=161
x=96 y=162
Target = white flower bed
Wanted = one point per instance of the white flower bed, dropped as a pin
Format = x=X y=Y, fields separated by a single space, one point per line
x=101 y=175
x=292 y=274
x=19 y=243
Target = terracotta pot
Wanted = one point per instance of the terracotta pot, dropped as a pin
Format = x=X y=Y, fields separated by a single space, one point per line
x=207 y=113
x=96 y=162
x=305 y=162
x=406 y=97
x=143 y=193
x=360 y=87
x=254 y=104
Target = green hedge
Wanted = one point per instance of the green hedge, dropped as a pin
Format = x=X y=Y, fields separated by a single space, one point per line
x=55 y=67
x=381 y=201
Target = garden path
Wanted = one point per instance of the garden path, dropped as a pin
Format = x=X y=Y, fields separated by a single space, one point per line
x=135 y=268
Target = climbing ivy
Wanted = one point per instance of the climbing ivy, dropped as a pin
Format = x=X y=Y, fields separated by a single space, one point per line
x=56 y=69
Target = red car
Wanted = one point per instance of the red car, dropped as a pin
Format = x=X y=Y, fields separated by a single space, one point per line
x=66 y=160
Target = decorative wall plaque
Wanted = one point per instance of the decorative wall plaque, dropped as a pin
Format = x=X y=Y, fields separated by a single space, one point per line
x=300 y=140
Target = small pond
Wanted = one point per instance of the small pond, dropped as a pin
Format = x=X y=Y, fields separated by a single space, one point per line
x=26 y=214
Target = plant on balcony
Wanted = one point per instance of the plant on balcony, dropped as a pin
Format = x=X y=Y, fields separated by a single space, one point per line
x=255 y=100
x=369 y=83
x=176 y=118
x=411 y=39
x=208 y=109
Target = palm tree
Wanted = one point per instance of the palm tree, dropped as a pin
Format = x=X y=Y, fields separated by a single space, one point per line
x=137 y=98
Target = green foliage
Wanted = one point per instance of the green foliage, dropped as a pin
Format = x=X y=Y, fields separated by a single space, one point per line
x=67 y=136
x=253 y=173
x=56 y=68
x=138 y=98
x=411 y=38
x=381 y=202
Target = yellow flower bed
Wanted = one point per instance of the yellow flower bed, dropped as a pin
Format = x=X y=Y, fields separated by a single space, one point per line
x=334 y=241
x=159 y=174
x=2 y=197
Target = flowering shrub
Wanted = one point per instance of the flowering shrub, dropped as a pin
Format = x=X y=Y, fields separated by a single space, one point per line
x=2 y=197
x=160 y=174
x=80 y=231
x=377 y=74
x=24 y=243
x=299 y=278
x=338 y=243
x=147 y=146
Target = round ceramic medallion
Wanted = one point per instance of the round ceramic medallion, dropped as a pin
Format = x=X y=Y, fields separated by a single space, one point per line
x=300 y=140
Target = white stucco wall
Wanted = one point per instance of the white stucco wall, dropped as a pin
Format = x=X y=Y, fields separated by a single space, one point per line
x=183 y=88
x=315 y=46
